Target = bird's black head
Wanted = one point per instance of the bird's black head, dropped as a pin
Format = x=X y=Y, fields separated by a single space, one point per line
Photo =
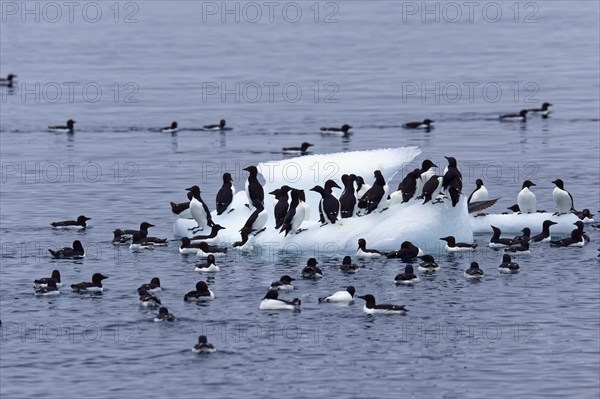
x=479 y=183
x=545 y=106
x=211 y=259
x=527 y=184
x=201 y=286
x=173 y=125
x=155 y=281
x=311 y=262
x=145 y=225
x=362 y=243
x=305 y=146
x=202 y=339
x=77 y=245
x=163 y=311
x=222 y=123
x=345 y=128
x=195 y=190
x=56 y=275
x=408 y=269
x=11 y=76
x=286 y=279
x=329 y=184
x=252 y=170
x=98 y=277
x=506 y=258
x=523 y=112
x=70 y=123
x=514 y=208
x=347 y=260
x=559 y=183
x=185 y=241
x=474 y=265
x=227 y=177
x=451 y=161
x=351 y=290
x=427 y=122
x=82 y=219
x=426 y=165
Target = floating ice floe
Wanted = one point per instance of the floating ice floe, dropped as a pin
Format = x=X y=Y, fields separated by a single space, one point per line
x=420 y=224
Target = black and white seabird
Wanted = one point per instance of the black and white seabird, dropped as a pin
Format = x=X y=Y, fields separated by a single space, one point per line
x=499 y=242
x=544 y=111
x=51 y=288
x=164 y=315
x=408 y=185
x=575 y=240
x=9 y=81
x=311 y=270
x=68 y=128
x=474 y=272
x=579 y=225
x=428 y=264
x=219 y=126
x=526 y=198
x=521 y=116
x=254 y=190
x=200 y=294
x=78 y=224
x=329 y=205
x=365 y=252
x=478 y=200
x=452 y=181
x=182 y=209
x=408 y=277
x=545 y=234
x=282 y=205
x=170 y=129
x=42 y=282
x=342 y=131
x=346 y=296
x=258 y=219
x=294 y=216
x=203 y=346
x=199 y=210
x=348 y=198
x=431 y=189
x=148 y=300
x=225 y=194
x=271 y=301
x=283 y=284
x=209 y=266
x=426 y=124
x=426 y=173
x=347 y=266
x=75 y=252
x=508 y=266
x=453 y=246
x=407 y=252
x=94 y=286
x=519 y=248
x=375 y=198
x=151 y=287
x=297 y=150
x=372 y=308
x=562 y=198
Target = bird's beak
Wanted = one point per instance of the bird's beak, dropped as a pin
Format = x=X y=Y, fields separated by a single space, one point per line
x=189 y=189
x=336 y=185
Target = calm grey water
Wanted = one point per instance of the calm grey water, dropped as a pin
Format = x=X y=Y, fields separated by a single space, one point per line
x=276 y=78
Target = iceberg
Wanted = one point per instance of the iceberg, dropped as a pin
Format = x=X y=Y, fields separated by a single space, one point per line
x=421 y=224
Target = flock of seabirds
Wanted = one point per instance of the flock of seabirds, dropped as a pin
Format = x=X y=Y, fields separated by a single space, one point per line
x=290 y=210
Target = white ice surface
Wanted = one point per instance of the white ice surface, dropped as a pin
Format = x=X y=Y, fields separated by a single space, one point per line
x=420 y=224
